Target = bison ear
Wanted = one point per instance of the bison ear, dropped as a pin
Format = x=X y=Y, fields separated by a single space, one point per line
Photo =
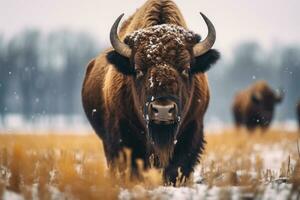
x=121 y=63
x=204 y=62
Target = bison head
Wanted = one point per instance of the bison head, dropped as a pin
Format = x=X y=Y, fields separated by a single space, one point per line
x=265 y=98
x=161 y=61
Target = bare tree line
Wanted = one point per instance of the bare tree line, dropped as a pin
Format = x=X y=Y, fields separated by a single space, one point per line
x=280 y=67
x=41 y=74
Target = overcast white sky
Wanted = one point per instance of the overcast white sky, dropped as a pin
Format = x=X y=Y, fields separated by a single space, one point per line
x=270 y=22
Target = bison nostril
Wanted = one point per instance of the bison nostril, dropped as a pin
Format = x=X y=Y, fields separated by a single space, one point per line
x=171 y=112
x=154 y=110
x=173 y=109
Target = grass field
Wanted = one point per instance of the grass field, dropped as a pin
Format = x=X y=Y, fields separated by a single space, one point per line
x=235 y=165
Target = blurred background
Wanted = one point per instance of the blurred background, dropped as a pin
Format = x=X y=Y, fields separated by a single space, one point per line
x=45 y=46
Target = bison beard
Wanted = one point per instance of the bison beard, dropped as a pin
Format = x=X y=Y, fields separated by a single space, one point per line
x=162 y=139
x=157 y=65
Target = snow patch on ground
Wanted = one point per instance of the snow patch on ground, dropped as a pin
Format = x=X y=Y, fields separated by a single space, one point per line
x=78 y=125
x=9 y=195
x=272 y=191
x=75 y=124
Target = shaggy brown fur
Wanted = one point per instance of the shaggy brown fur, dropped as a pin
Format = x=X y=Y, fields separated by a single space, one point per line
x=254 y=107
x=113 y=97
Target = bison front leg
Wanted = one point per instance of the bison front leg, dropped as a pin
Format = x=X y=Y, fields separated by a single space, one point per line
x=182 y=166
x=186 y=156
x=127 y=149
x=122 y=161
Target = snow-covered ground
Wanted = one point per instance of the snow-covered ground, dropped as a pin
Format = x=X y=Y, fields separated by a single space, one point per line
x=272 y=191
x=272 y=156
x=76 y=124
x=277 y=189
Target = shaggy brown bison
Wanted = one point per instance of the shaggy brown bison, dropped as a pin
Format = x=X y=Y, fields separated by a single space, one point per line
x=149 y=92
x=298 y=113
x=254 y=107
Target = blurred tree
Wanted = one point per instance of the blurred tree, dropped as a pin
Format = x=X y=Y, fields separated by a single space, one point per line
x=246 y=67
x=279 y=67
x=42 y=74
x=78 y=51
x=27 y=69
x=289 y=78
x=70 y=52
x=3 y=77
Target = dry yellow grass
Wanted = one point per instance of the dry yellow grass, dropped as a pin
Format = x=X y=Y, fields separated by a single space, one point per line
x=75 y=165
x=235 y=152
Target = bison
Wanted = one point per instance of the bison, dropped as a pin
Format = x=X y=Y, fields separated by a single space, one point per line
x=254 y=106
x=149 y=92
x=298 y=113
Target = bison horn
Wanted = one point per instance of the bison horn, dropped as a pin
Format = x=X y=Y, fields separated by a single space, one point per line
x=117 y=44
x=206 y=45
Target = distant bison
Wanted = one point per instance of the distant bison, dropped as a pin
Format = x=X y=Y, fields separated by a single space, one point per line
x=149 y=93
x=298 y=113
x=254 y=106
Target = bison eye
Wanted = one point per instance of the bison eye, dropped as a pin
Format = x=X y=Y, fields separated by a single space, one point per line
x=139 y=73
x=186 y=73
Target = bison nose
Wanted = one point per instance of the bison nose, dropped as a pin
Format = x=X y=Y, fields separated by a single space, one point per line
x=163 y=113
